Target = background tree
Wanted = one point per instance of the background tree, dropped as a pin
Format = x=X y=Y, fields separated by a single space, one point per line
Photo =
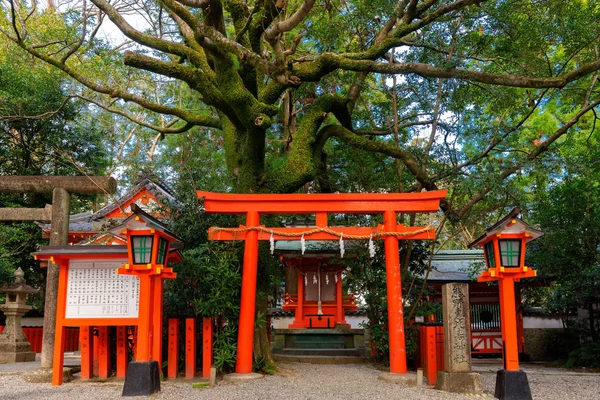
x=40 y=134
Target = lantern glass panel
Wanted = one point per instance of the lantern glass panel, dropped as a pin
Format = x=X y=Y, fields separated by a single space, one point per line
x=163 y=247
x=141 y=247
x=510 y=252
x=489 y=255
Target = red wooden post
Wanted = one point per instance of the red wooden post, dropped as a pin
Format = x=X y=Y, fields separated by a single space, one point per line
x=144 y=330
x=96 y=356
x=430 y=357
x=190 y=347
x=173 y=356
x=157 y=315
x=339 y=299
x=85 y=348
x=394 y=292
x=299 y=316
x=122 y=351
x=508 y=309
x=248 y=301
x=74 y=339
x=135 y=342
x=207 y=346
x=59 y=335
x=104 y=352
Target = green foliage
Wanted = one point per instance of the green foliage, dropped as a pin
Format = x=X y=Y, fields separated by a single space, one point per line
x=208 y=283
x=587 y=355
x=367 y=279
x=225 y=347
x=261 y=364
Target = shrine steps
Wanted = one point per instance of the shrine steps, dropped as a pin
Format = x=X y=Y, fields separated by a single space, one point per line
x=321 y=359
x=321 y=352
x=320 y=346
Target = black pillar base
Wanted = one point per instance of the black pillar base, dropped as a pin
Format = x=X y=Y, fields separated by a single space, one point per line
x=142 y=379
x=512 y=385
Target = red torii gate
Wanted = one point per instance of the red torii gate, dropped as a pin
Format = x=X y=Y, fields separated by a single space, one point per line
x=389 y=204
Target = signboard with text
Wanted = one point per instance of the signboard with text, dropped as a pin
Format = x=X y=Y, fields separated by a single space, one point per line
x=95 y=290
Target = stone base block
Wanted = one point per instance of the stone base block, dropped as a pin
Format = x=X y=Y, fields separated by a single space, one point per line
x=238 y=378
x=512 y=385
x=459 y=382
x=45 y=375
x=26 y=356
x=142 y=379
x=404 y=379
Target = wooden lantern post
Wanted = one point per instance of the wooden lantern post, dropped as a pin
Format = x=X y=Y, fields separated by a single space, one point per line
x=148 y=244
x=504 y=245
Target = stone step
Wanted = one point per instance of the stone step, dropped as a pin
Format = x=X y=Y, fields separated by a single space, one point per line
x=313 y=345
x=321 y=359
x=341 y=352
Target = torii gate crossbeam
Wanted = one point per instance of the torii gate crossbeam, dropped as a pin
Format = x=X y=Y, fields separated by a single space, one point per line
x=388 y=204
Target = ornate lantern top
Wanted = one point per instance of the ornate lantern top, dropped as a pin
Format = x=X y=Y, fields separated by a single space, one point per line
x=509 y=225
x=504 y=247
x=148 y=242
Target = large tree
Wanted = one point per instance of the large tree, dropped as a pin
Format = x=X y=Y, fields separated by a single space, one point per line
x=280 y=79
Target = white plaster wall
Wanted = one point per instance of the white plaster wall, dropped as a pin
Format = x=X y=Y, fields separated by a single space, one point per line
x=282 y=322
x=530 y=322
x=355 y=321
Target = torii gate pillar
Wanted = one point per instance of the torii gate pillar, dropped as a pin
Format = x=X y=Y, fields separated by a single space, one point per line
x=248 y=302
x=394 y=292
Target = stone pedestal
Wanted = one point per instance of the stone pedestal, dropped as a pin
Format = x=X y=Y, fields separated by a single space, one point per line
x=14 y=346
x=142 y=379
x=459 y=382
x=457 y=376
x=512 y=385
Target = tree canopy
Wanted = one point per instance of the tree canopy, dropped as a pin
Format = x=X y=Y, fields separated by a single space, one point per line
x=333 y=94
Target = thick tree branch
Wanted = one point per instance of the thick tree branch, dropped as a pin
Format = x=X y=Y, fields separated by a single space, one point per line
x=195 y=78
x=218 y=40
x=287 y=25
x=195 y=3
x=428 y=71
x=360 y=142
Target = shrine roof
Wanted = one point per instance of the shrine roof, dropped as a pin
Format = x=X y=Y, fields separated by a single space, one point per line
x=506 y=225
x=92 y=222
x=77 y=250
x=455 y=265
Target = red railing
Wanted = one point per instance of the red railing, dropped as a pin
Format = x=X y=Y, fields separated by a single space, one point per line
x=34 y=337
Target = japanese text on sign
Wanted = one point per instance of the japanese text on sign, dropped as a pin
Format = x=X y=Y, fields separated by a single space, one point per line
x=95 y=290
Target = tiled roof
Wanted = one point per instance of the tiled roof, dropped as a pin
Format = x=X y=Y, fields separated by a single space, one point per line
x=454 y=265
x=93 y=222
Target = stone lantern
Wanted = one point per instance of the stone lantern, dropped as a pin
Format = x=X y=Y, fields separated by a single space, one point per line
x=14 y=346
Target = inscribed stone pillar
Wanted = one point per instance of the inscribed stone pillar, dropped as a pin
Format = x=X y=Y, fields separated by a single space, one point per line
x=457 y=327
x=457 y=376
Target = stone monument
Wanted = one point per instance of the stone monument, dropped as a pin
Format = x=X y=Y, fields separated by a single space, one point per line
x=457 y=375
x=14 y=346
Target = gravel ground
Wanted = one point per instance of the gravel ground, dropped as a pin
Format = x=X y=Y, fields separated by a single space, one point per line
x=306 y=381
